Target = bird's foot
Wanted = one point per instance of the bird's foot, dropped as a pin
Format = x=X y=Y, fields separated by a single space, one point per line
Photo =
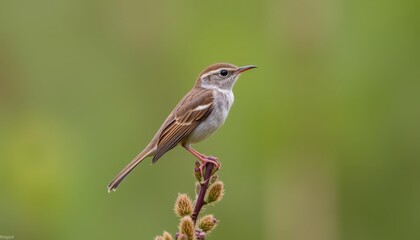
x=208 y=159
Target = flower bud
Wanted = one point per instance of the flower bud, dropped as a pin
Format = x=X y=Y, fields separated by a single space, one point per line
x=197 y=188
x=167 y=236
x=207 y=223
x=215 y=192
x=183 y=205
x=200 y=235
x=180 y=236
x=186 y=227
x=197 y=172
x=213 y=178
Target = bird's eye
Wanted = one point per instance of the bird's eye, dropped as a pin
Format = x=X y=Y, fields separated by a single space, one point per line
x=224 y=72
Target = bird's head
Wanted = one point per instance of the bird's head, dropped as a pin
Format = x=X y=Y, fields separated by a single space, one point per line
x=221 y=75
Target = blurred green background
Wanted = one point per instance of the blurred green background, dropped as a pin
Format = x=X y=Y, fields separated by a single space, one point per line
x=321 y=143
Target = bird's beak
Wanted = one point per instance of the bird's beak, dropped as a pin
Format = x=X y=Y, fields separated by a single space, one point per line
x=245 y=68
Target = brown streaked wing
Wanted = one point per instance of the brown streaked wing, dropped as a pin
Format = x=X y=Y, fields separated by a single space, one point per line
x=185 y=120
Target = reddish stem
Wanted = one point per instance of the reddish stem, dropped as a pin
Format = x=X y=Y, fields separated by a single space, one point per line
x=203 y=189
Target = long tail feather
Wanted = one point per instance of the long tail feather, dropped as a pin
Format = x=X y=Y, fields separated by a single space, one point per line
x=112 y=186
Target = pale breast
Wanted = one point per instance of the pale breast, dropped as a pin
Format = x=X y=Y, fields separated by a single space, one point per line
x=223 y=102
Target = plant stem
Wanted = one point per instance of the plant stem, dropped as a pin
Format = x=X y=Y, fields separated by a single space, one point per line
x=203 y=189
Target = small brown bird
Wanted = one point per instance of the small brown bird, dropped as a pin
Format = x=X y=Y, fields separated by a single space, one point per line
x=199 y=114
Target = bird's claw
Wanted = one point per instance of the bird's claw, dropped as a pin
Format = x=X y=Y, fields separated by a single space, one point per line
x=208 y=159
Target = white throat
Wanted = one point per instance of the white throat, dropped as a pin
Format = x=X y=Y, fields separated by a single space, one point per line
x=224 y=91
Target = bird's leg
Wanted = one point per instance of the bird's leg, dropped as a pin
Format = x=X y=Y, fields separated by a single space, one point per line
x=203 y=158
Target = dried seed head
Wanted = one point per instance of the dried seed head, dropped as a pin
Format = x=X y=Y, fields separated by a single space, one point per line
x=159 y=238
x=183 y=205
x=215 y=192
x=186 y=227
x=167 y=236
x=207 y=223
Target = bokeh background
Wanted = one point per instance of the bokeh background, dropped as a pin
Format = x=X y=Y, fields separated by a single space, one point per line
x=321 y=143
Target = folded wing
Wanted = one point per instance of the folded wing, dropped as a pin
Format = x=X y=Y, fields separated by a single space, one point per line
x=193 y=109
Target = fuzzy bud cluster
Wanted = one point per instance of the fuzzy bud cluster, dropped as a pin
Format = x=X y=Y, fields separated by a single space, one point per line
x=209 y=190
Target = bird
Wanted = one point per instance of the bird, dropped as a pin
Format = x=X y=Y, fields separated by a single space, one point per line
x=198 y=115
